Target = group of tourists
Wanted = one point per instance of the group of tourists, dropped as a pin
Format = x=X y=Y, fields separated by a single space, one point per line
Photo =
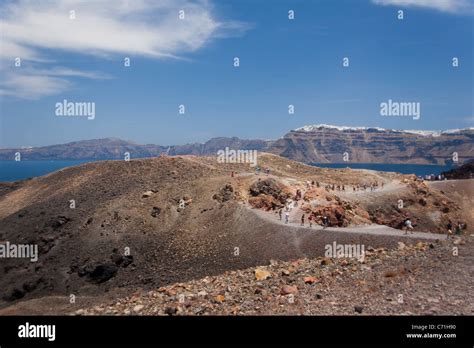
x=355 y=187
x=287 y=213
x=451 y=228
x=311 y=218
x=456 y=228
x=342 y=188
x=407 y=225
x=432 y=177
x=363 y=187
x=311 y=184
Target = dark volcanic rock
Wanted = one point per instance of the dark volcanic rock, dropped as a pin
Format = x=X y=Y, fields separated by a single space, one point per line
x=61 y=220
x=269 y=187
x=103 y=272
x=155 y=211
x=225 y=194
x=14 y=294
x=466 y=171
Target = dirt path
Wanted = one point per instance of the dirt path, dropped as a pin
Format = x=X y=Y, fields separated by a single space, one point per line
x=369 y=229
x=382 y=230
x=390 y=187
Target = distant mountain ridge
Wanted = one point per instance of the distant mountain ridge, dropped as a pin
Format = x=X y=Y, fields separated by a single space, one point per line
x=326 y=143
x=433 y=133
x=310 y=144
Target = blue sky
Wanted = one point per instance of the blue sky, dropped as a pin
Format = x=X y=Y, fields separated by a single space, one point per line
x=282 y=62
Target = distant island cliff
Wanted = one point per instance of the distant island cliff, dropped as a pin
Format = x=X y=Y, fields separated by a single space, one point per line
x=308 y=144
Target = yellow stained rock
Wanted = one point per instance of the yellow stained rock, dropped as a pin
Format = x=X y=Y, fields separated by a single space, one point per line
x=220 y=298
x=261 y=274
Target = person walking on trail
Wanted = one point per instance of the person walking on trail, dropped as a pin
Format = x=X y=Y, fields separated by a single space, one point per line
x=450 y=229
x=302 y=220
x=279 y=214
x=408 y=226
x=298 y=194
x=287 y=216
x=325 y=222
x=310 y=221
x=459 y=227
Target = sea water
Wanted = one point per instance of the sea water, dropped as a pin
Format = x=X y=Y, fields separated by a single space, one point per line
x=19 y=170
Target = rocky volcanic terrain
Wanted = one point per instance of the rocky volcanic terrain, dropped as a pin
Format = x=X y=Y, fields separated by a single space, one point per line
x=309 y=144
x=140 y=226
x=427 y=282
x=466 y=171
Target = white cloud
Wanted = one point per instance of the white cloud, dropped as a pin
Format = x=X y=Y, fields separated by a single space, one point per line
x=33 y=86
x=451 y=6
x=60 y=71
x=34 y=83
x=35 y=30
